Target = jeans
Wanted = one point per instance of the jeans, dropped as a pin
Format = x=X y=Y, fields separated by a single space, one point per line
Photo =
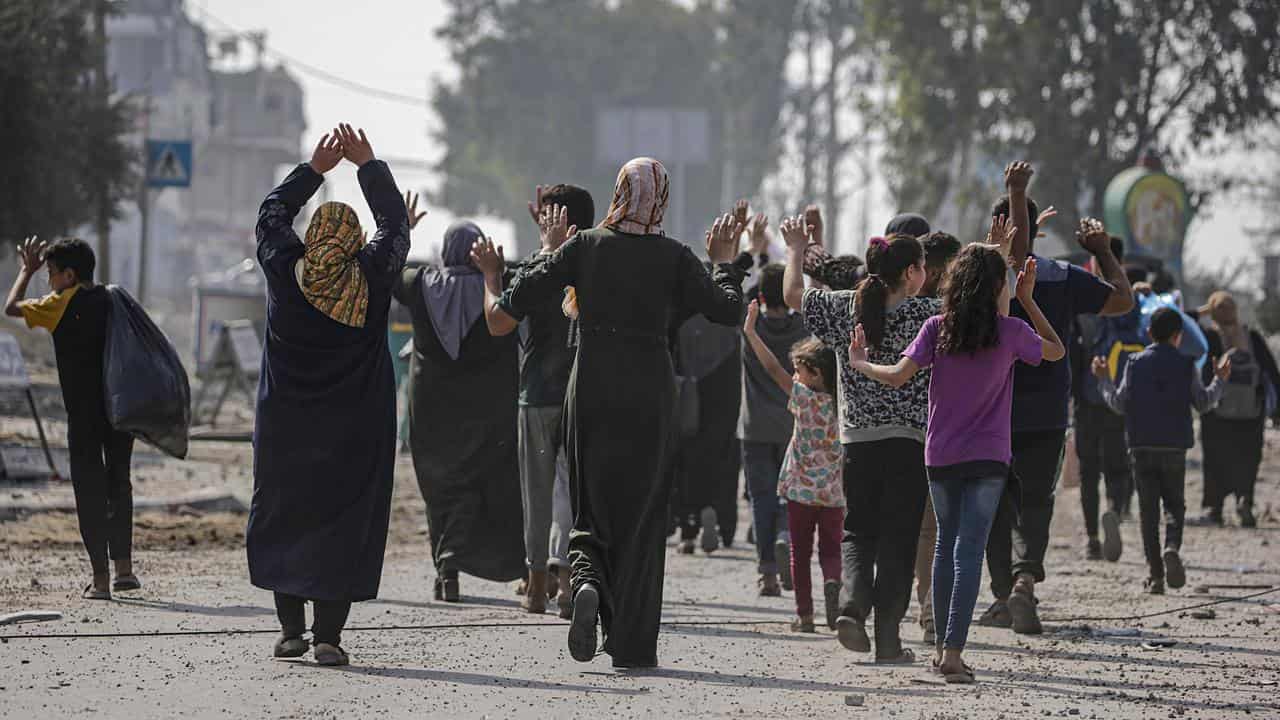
x=1103 y=452
x=803 y=521
x=1020 y=536
x=924 y=561
x=884 y=486
x=544 y=487
x=330 y=618
x=1161 y=476
x=1232 y=455
x=762 y=464
x=965 y=509
x=100 y=462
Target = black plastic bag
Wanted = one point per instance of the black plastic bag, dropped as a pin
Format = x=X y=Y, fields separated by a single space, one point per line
x=148 y=394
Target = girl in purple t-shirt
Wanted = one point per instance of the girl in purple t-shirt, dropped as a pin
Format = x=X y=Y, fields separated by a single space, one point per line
x=971 y=347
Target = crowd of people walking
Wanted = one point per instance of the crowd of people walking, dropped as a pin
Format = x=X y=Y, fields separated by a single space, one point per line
x=900 y=415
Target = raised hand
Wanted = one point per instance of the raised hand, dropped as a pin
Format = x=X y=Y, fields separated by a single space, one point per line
x=1045 y=216
x=328 y=153
x=1223 y=369
x=31 y=251
x=753 y=314
x=722 y=239
x=411 y=205
x=741 y=212
x=554 y=228
x=535 y=207
x=796 y=233
x=1017 y=176
x=758 y=234
x=813 y=219
x=1093 y=237
x=1001 y=235
x=355 y=146
x=1100 y=369
x=858 y=346
x=487 y=257
x=1026 y=288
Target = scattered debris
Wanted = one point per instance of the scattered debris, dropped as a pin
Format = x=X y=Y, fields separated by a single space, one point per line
x=854 y=699
x=1204 y=614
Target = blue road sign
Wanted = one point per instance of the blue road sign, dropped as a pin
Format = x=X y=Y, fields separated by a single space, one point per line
x=168 y=163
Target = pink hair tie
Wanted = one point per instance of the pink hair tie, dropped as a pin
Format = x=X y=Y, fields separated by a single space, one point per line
x=879 y=242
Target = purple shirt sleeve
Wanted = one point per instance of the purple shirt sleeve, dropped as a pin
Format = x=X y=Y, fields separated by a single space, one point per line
x=1027 y=344
x=1088 y=293
x=922 y=350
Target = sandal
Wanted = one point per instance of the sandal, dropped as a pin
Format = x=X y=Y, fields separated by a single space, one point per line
x=92 y=593
x=124 y=583
x=803 y=626
x=965 y=677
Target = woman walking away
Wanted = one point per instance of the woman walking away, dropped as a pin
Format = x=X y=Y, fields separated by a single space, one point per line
x=633 y=284
x=1232 y=433
x=463 y=384
x=882 y=431
x=325 y=437
x=810 y=483
x=972 y=348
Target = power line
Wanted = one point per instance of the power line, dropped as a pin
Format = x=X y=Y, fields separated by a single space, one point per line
x=321 y=73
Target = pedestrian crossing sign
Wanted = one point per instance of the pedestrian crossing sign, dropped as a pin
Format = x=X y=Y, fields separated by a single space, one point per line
x=168 y=163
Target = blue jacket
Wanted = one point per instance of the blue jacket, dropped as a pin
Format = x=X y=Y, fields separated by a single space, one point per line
x=1159 y=388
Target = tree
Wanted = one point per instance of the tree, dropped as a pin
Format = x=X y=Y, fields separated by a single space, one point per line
x=533 y=73
x=65 y=159
x=1080 y=87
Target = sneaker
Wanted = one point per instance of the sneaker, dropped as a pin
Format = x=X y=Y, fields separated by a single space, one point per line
x=852 y=634
x=997 y=616
x=1112 y=546
x=710 y=531
x=1154 y=586
x=768 y=584
x=1093 y=551
x=831 y=598
x=1211 y=518
x=782 y=557
x=1174 y=572
x=582 y=629
x=1022 y=609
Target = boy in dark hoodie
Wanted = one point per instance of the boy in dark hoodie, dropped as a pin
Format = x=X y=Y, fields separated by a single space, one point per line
x=1159 y=389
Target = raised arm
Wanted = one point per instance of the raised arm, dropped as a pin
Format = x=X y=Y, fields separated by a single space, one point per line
x=762 y=351
x=1093 y=237
x=553 y=269
x=1115 y=398
x=1053 y=349
x=718 y=295
x=31 y=252
x=276 y=215
x=1017 y=177
x=895 y=376
x=488 y=258
x=384 y=256
x=1206 y=399
x=795 y=233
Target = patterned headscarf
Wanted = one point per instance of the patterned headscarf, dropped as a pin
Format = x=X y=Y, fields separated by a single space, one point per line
x=639 y=198
x=332 y=280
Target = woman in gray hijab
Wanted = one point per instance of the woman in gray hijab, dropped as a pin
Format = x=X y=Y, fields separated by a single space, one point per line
x=462 y=420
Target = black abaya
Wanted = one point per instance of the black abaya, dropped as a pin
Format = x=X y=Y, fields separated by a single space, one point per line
x=620 y=408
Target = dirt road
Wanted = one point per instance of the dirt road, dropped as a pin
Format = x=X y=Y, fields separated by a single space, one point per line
x=502 y=664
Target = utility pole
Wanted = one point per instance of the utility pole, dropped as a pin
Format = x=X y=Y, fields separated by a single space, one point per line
x=102 y=218
x=144 y=203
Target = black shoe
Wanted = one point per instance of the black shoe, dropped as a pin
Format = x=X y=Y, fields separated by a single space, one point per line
x=997 y=616
x=291 y=647
x=1247 y=520
x=1093 y=551
x=448 y=589
x=686 y=547
x=1022 y=611
x=1211 y=518
x=1154 y=586
x=582 y=630
x=782 y=557
x=831 y=597
x=1112 y=545
x=852 y=634
x=710 y=531
x=1174 y=572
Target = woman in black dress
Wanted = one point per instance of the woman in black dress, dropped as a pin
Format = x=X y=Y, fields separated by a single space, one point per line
x=462 y=420
x=631 y=283
x=324 y=441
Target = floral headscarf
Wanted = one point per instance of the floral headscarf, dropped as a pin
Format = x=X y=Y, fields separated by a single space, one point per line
x=639 y=198
x=330 y=277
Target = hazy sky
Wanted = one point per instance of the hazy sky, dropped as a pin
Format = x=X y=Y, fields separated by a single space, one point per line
x=391 y=45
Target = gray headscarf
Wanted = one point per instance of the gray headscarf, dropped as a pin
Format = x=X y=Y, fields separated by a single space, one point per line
x=454 y=294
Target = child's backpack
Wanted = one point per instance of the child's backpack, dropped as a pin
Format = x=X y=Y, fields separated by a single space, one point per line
x=1243 y=398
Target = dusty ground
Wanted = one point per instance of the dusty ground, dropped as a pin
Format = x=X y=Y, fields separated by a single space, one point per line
x=505 y=664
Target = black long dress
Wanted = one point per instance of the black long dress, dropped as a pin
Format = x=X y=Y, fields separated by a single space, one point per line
x=619 y=411
x=324 y=441
x=462 y=430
